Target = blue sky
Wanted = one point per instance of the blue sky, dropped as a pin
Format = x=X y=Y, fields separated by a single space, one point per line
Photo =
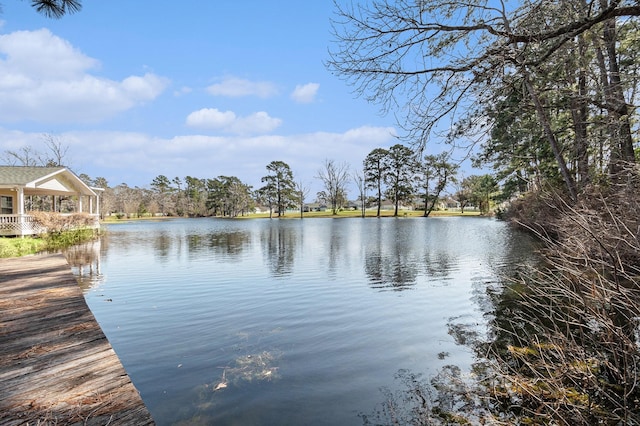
x=138 y=89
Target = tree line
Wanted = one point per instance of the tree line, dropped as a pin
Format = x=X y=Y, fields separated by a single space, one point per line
x=397 y=174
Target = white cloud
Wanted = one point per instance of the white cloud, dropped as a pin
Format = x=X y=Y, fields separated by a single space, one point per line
x=44 y=78
x=137 y=158
x=212 y=118
x=40 y=54
x=258 y=122
x=184 y=90
x=237 y=87
x=377 y=135
x=306 y=93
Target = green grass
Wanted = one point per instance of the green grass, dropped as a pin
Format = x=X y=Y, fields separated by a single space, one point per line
x=368 y=213
x=16 y=247
x=115 y=219
x=325 y=214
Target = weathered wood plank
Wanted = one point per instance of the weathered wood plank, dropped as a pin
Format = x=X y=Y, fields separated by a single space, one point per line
x=57 y=367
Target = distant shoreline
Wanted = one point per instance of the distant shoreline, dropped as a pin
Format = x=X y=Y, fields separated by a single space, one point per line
x=311 y=215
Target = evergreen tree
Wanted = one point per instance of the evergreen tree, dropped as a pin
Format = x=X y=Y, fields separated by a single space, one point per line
x=280 y=183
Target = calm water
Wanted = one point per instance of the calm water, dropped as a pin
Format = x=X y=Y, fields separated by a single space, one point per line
x=290 y=322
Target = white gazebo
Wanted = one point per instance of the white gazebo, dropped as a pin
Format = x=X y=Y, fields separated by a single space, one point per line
x=56 y=188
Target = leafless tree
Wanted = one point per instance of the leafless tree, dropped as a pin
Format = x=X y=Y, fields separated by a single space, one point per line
x=359 y=181
x=25 y=156
x=57 y=151
x=334 y=177
x=55 y=156
x=301 y=191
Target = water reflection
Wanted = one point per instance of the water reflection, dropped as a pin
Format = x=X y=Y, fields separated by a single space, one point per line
x=162 y=244
x=439 y=264
x=85 y=262
x=395 y=254
x=335 y=256
x=388 y=262
x=352 y=301
x=228 y=244
x=402 y=253
x=280 y=242
x=390 y=271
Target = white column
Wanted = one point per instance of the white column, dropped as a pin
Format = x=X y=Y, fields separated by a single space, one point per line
x=21 y=211
x=20 y=200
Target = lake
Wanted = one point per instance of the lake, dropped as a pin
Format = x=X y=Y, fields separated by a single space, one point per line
x=291 y=322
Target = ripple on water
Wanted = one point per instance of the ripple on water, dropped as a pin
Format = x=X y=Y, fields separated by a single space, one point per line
x=329 y=309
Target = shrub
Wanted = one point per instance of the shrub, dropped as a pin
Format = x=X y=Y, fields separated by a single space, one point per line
x=55 y=241
x=57 y=223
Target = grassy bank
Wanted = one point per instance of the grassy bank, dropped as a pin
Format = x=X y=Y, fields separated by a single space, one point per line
x=324 y=214
x=16 y=247
x=368 y=213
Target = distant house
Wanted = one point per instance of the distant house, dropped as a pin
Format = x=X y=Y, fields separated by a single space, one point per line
x=452 y=203
x=259 y=208
x=315 y=207
x=352 y=205
x=52 y=189
x=390 y=205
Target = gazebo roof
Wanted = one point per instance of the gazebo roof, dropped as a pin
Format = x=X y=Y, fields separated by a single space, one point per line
x=52 y=180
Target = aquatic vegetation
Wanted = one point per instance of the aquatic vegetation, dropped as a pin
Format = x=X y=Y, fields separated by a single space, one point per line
x=250 y=368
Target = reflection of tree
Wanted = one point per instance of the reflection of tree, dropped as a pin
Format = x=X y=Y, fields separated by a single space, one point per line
x=420 y=402
x=390 y=259
x=162 y=245
x=373 y=268
x=228 y=243
x=279 y=243
x=403 y=271
x=439 y=264
x=335 y=246
x=395 y=270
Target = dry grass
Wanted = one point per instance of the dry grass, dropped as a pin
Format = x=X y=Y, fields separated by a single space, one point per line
x=566 y=348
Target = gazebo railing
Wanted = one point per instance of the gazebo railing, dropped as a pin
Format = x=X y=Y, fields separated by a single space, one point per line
x=24 y=224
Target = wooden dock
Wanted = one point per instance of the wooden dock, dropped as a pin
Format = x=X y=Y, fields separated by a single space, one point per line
x=56 y=365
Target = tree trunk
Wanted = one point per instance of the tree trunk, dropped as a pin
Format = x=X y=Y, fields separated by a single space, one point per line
x=579 y=113
x=618 y=107
x=551 y=137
